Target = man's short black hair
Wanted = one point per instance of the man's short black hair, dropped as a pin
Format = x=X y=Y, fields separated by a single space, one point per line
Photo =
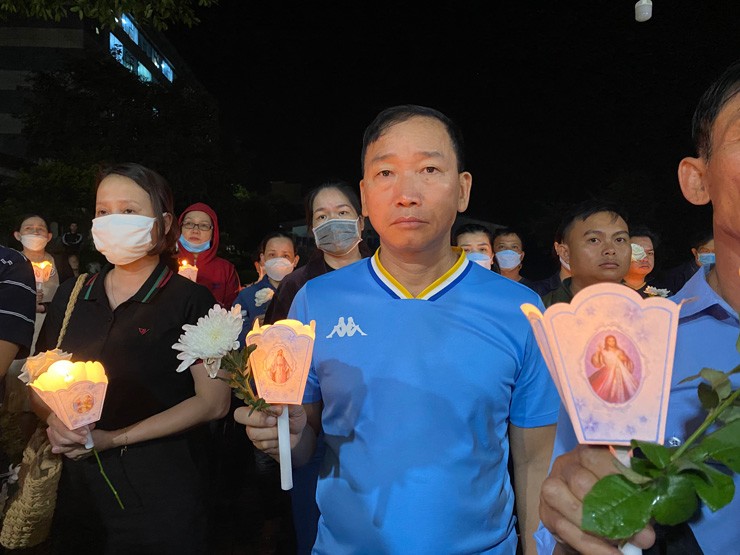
x=398 y=114
x=585 y=209
x=700 y=238
x=719 y=93
x=508 y=231
x=641 y=230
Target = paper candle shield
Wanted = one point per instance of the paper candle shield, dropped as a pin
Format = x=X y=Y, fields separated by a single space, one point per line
x=42 y=271
x=282 y=359
x=188 y=271
x=75 y=391
x=610 y=353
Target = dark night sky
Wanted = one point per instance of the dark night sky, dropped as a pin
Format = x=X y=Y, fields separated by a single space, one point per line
x=555 y=99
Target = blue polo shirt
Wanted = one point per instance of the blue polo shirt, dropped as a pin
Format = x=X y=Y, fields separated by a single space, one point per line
x=418 y=396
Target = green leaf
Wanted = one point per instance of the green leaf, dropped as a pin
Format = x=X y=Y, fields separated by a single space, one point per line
x=737 y=344
x=616 y=508
x=713 y=487
x=644 y=467
x=659 y=455
x=719 y=381
x=730 y=414
x=675 y=499
x=707 y=396
x=723 y=445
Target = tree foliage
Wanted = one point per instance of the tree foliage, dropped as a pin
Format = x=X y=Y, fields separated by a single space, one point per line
x=157 y=13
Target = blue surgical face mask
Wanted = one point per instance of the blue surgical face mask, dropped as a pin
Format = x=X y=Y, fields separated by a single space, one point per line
x=190 y=247
x=706 y=258
x=508 y=259
x=480 y=258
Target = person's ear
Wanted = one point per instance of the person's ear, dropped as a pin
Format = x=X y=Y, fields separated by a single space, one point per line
x=466 y=183
x=361 y=224
x=362 y=198
x=693 y=180
x=167 y=222
x=521 y=258
x=559 y=247
x=564 y=252
x=295 y=261
x=17 y=236
x=696 y=255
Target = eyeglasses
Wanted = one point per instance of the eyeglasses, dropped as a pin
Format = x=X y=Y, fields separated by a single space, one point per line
x=201 y=227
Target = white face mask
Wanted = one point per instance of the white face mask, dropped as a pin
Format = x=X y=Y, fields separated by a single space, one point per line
x=508 y=259
x=123 y=238
x=277 y=268
x=563 y=263
x=34 y=242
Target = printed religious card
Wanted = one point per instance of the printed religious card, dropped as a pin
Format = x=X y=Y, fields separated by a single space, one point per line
x=610 y=353
x=282 y=359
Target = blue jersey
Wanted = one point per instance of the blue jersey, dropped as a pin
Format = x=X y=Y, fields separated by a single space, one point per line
x=418 y=395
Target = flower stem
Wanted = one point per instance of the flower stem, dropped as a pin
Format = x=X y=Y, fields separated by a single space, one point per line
x=105 y=477
x=708 y=421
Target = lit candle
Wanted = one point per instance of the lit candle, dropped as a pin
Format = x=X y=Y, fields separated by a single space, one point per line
x=42 y=272
x=188 y=271
x=75 y=391
x=280 y=366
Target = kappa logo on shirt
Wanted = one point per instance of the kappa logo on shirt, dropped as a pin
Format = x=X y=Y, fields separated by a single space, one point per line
x=343 y=328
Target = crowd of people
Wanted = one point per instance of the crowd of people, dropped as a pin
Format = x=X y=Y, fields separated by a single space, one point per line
x=430 y=425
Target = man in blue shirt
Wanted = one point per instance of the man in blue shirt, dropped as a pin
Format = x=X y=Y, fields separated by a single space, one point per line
x=707 y=334
x=425 y=375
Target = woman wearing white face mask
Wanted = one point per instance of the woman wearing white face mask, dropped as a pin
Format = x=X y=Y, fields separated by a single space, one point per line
x=33 y=234
x=333 y=213
x=278 y=259
x=152 y=436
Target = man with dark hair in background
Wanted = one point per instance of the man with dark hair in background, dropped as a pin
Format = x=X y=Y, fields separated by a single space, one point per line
x=596 y=246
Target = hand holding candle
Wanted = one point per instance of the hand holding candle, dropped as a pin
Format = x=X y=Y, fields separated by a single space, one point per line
x=280 y=364
x=75 y=392
x=42 y=273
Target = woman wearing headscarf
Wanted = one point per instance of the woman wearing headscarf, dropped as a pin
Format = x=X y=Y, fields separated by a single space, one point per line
x=198 y=245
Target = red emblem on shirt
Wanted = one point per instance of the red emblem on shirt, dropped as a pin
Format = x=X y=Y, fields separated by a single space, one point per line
x=142 y=331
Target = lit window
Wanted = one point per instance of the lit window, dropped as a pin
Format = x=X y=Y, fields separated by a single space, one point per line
x=116 y=48
x=167 y=71
x=144 y=73
x=130 y=28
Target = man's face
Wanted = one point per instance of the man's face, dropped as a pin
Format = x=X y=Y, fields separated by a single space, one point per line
x=598 y=249
x=509 y=242
x=411 y=188
x=646 y=265
x=706 y=248
x=73 y=228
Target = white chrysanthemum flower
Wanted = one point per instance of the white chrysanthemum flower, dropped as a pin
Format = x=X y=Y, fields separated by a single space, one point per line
x=655 y=292
x=263 y=296
x=210 y=339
